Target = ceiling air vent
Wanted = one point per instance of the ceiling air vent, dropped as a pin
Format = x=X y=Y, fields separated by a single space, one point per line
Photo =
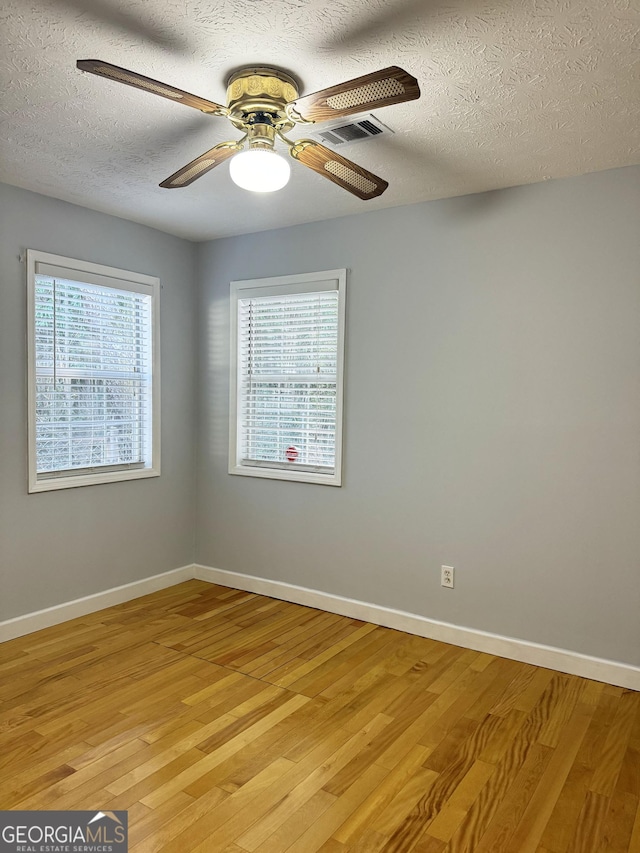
x=358 y=129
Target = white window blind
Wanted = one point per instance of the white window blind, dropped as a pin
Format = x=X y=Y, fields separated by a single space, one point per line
x=92 y=377
x=288 y=392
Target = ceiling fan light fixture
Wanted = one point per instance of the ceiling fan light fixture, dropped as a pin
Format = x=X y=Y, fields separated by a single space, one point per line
x=263 y=103
x=259 y=170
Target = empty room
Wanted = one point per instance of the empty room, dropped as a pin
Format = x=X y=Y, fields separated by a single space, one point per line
x=320 y=426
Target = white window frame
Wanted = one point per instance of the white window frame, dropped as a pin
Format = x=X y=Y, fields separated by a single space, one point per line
x=96 y=273
x=279 y=285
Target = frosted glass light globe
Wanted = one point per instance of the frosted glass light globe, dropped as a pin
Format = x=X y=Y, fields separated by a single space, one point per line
x=259 y=170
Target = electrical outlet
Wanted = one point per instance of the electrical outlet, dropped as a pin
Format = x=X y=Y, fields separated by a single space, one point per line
x=446 y=576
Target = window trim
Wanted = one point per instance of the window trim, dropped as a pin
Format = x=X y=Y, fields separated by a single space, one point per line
x=299 y=283
x=137 y=282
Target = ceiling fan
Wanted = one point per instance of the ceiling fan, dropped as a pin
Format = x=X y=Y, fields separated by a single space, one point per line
x=264 y=104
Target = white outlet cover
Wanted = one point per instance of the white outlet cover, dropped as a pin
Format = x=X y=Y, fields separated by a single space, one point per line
x=447 y=576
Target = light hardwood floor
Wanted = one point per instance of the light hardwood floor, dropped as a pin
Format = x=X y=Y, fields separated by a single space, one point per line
x=228 y=722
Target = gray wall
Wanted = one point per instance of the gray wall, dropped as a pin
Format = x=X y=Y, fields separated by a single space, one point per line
x=492 y=415
x=61 y=545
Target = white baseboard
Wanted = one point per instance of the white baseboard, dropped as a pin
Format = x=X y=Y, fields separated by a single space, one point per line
x=31 y=622
x=598 y=669
x=613 y=672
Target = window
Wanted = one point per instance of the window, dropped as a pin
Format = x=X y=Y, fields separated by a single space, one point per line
x=287 y=353
x=94 y=380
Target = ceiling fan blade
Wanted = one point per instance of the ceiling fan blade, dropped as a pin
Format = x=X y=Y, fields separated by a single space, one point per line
x=338 y=169
x=147 y=84
x=388 y=86
x=201 y=165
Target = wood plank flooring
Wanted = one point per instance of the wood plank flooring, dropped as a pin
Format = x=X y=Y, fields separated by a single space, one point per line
x=227 y=722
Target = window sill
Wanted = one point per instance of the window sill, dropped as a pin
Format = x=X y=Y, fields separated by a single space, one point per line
x=286 y=474
x=53 y=483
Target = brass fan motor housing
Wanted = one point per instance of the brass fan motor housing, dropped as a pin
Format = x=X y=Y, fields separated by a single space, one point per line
x=260 y=90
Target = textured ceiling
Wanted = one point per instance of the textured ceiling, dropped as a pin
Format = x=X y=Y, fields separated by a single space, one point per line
x=513 y=92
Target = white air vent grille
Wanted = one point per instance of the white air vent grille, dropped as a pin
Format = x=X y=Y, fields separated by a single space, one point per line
x=347 y=131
